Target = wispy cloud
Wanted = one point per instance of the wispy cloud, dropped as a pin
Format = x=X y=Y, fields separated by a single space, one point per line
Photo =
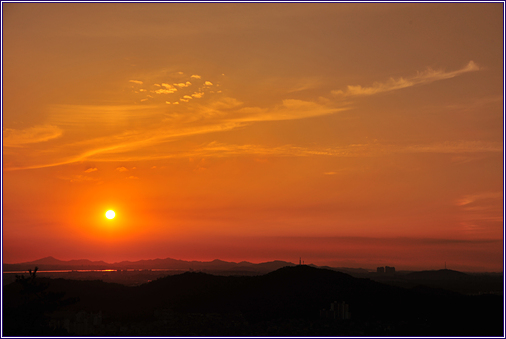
x=196 y=76
x=122 y=147
x=83 y=115
x=424 y=77
x=125 y=146
x=481 y=212
x=127 y=129
x=290 y=109
x=352 y=150
x=89 y=170
x=31 y=135
x=456 y=147
x=136 y=82
x=471 y=198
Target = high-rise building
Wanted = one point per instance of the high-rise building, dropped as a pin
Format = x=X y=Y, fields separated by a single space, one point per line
x=389 y=270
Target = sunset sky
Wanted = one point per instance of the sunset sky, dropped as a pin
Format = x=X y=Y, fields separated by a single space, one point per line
x=356 y=135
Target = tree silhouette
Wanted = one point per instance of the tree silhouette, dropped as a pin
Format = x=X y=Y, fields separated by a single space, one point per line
x=29 y=314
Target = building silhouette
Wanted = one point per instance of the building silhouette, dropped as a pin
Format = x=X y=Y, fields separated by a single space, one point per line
x=385 y=270
x=337 y=310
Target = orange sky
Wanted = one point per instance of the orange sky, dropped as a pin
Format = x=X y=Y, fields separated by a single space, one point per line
x=357 y=135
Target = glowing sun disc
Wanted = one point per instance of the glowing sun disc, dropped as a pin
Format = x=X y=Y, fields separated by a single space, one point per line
x=110 y=214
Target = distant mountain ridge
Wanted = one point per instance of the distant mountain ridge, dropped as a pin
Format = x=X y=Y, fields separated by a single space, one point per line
x=51 y=263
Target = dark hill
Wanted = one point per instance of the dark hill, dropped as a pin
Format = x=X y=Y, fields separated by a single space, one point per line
x=300 y=292
x=196 y=303
x=436 y=275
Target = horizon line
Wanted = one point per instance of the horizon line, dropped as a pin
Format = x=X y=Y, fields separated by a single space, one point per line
x=370 y=270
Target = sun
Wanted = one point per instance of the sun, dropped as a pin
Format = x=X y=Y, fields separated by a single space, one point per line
x=110 y=214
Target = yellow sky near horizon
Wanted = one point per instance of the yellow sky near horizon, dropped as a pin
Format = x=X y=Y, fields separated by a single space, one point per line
x=212 y=129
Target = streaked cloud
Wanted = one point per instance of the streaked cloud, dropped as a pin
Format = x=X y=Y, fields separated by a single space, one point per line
x=89 y=170
x=351 y=150
x=124 y=147
x=136 y=82
x=77 y=116
x=208 y=83
x=456 y=147
x=21 y=137
x=196 y=76
x=424 y=77
x=130 y=129
x=289 y=109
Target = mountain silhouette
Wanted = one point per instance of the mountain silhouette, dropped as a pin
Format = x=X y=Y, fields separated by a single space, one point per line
x=46 y=261
x=50 y=263
x=287 y=301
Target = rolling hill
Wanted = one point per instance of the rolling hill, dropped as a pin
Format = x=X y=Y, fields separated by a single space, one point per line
x=286 y=301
